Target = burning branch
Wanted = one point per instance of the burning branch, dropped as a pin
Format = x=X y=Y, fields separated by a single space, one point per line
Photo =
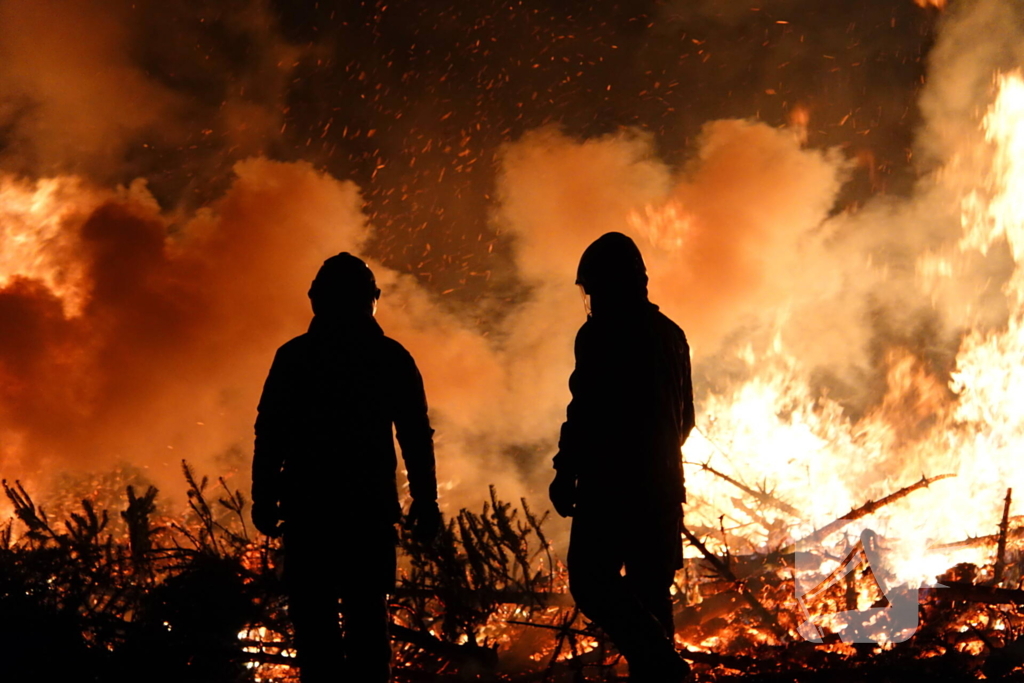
x=863 y=511
x=975 y=541
x=762 y=496
x=1004 y=527
x=726 y=572
x=989 y=595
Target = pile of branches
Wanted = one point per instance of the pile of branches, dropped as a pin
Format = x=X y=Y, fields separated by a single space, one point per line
x=138 y=595
x=154 y=599
x=102 y=597
x=744 y=610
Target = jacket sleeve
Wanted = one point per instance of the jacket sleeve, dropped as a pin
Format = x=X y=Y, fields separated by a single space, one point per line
x=688 y=419
x=273 y=427
x=572 y=443
x=414 y=434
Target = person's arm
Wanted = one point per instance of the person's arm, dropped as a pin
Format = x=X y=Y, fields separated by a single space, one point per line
x=579 y=413
x=416 y=439
x=273 y=424
x=688 y=418
x=577 y=430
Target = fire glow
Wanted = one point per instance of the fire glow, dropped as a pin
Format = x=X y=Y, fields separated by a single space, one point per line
x=768 y=425
x=810 y=455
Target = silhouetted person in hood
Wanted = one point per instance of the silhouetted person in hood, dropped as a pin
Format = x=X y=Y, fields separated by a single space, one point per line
x=324 y=473
x=619 y=469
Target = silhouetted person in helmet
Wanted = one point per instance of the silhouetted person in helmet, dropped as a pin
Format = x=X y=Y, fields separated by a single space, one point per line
x=619 y=469
x=324 y=473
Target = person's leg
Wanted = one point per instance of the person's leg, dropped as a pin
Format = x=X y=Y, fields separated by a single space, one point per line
x=601 y=592
x=313 y=608
x=367 y=641
x=368 y=578
x=652 y=555
x=653 y=592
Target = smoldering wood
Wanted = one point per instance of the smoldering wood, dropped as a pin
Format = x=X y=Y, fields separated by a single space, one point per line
x=508 y=597
x=459 y=654
x=722 y=567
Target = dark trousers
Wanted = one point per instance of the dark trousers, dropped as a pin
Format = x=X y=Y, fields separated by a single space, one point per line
x=357 y=568
x=634 y=609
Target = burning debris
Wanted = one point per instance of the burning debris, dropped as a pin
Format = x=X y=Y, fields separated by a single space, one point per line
x=100 y=597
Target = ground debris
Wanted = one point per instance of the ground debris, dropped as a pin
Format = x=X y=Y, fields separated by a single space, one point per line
x=487 y=601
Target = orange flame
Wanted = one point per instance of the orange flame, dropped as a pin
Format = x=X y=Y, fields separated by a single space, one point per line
x=773 y=432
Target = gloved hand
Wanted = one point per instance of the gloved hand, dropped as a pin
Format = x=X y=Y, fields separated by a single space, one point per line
x=424 y=520
x=266 y=517
x=563 y=493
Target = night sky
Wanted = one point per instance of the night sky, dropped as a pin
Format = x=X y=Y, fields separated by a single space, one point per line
x=413 y=100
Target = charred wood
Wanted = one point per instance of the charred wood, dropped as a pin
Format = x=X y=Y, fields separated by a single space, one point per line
x=969 y=592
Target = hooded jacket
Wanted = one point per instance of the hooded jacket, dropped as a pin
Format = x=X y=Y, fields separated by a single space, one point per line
x=631 y=409
x=324 y=442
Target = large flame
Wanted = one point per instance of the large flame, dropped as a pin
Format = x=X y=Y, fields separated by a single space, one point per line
x=38 y=233
x=773 y=433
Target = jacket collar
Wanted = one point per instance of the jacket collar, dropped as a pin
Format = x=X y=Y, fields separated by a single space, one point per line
x=618 y=309
x=357 y=326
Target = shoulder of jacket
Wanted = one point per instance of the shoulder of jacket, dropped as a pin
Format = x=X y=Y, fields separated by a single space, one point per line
x=294 y=346
x=589 y=338
x=587 y=330
x=670 y=324
x=395 y=348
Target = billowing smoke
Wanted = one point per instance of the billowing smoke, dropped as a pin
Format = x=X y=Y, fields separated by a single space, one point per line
x=115 y=90
x=71 y=89
x=163 y=356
